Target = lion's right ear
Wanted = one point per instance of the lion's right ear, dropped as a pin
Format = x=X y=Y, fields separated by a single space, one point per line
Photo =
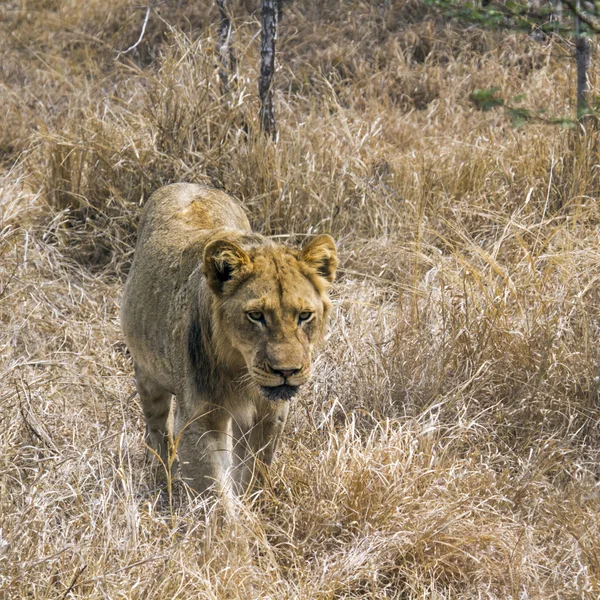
x=321 y=254
x=223 y=262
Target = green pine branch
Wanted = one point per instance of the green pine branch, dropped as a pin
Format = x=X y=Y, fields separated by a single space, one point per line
x=518 y=16
x=490 y=98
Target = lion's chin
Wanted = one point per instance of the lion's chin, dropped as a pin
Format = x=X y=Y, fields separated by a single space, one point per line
x=279 y=392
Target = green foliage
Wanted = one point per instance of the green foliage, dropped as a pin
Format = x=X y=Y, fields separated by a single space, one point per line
x=490 y=98
x=518 y=16
x=487 y=99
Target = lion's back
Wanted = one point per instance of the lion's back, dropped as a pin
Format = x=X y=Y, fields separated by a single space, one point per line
x=177 y=212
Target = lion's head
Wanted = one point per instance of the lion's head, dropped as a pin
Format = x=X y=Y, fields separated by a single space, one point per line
x=272 y=305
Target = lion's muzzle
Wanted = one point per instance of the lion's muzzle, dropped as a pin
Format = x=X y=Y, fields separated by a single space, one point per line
x=281 y=383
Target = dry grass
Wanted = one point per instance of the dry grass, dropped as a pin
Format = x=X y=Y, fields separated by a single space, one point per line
x=448 y=445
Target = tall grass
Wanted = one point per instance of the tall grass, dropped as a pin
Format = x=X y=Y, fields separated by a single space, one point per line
x=448 y=444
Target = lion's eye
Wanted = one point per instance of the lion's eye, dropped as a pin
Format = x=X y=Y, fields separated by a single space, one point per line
x=256 y=316
x=305 y=316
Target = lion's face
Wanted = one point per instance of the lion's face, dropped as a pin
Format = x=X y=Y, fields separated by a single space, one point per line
x=272 y=305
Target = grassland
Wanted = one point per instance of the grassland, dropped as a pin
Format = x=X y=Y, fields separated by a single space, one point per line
x=449 y=443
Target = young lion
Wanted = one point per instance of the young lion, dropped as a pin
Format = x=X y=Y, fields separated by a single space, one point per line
x=226 y=320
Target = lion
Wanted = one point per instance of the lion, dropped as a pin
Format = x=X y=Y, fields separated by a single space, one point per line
x=226 y=320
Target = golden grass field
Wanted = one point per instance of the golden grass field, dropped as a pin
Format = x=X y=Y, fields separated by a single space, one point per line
x=449 y=443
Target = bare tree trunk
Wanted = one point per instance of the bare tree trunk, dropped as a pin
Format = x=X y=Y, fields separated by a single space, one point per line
x=267 y=67
x=582 y=56
x=225 y=46
x=582 y=51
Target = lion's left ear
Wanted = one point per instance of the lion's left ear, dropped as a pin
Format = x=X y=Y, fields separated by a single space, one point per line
x=223 y=261
x=321 y=254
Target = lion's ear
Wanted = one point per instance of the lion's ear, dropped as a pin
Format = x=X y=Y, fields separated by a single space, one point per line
x=321 y=254
x=223 y=261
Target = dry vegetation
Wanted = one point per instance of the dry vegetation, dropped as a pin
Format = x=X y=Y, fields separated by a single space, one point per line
x=448 y=446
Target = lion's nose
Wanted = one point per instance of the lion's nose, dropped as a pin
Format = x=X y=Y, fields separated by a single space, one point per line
x=285 y=373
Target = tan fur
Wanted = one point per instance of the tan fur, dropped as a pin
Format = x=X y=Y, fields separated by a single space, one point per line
x=198 y=281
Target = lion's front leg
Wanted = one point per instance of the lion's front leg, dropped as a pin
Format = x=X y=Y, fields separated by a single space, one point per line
x=156 y=404
x=204 y=450
x=254 y=446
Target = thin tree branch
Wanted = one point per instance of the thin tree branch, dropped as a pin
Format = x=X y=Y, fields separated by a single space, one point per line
x=139 y=41
x=74 y=581
x=225 y=46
